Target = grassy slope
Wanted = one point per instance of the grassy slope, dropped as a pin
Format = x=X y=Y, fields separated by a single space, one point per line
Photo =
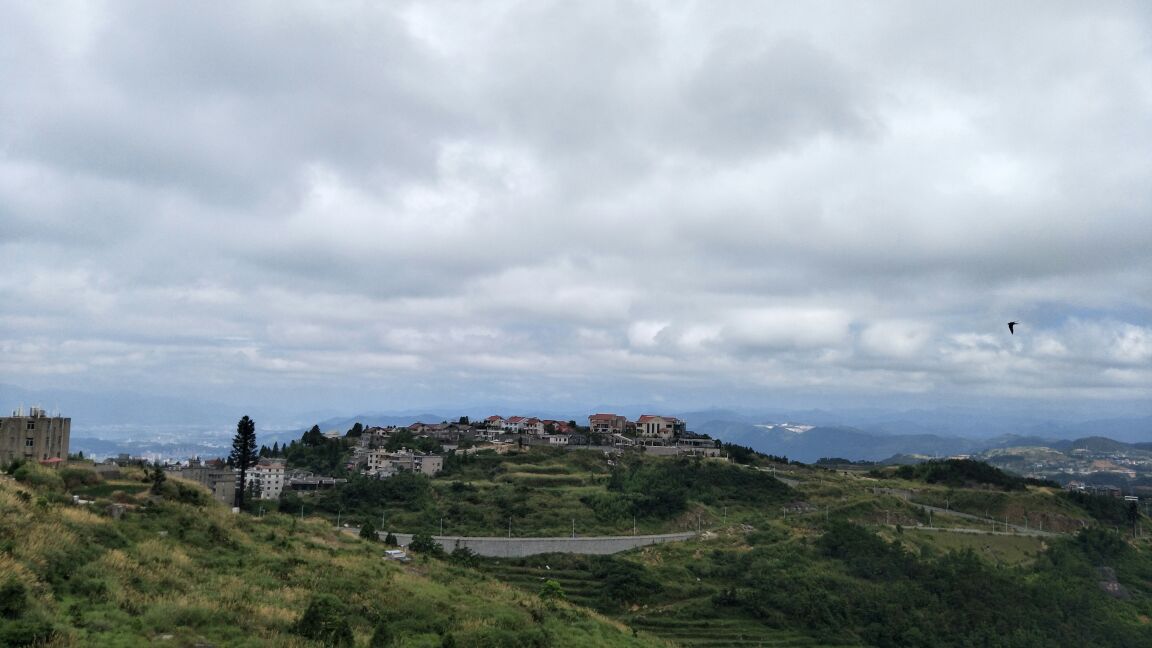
x=259 y=583
x=184 y=574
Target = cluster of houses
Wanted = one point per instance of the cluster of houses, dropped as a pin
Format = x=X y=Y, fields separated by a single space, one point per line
x=270 y=477
x=602 y=430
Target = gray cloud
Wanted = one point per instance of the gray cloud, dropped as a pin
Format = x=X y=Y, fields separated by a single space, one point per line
x=445 y=202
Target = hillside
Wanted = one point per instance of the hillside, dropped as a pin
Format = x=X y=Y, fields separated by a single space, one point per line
x=790 y=555
x=182 y=570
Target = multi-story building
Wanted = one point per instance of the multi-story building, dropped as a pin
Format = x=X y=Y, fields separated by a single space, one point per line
x=607 y=424
x=659 y=427
x=217 y=478
x=35 y=436
x=267 y=478
x=384 y=463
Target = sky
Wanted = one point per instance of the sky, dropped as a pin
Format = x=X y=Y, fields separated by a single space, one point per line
x=390 y=205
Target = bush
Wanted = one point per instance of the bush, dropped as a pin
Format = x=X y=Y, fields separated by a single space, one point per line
x=325 y=620
x=76 y=477
x=37 y=476
x=423 y=543
x=368 y=532
x=13 y=599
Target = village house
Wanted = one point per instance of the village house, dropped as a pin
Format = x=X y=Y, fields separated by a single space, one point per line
x=608 y=424
x=659 y=427
x=383 y=463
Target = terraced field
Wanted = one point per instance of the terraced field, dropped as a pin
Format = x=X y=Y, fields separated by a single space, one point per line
x=669 y=624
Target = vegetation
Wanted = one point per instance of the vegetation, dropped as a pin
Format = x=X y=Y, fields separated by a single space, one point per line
x=244 y=454
x=960 y=473
x=191 y=572
x=833 y=558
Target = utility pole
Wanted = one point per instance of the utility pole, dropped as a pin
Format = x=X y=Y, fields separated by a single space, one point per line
x=509 y=526
x=441 y=525
x=573 y=527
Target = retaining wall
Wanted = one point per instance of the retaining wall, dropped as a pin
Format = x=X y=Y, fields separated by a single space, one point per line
x=497 y=547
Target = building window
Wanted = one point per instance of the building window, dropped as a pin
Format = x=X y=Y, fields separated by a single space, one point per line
x=29 y=442
x=31 y=425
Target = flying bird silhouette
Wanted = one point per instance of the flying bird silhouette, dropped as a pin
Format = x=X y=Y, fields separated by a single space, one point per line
x=1012 y=328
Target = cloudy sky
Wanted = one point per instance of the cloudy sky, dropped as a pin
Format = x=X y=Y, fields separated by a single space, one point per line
x=384 y=205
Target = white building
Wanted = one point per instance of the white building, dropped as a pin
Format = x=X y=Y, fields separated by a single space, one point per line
x=267 y=478
x=659 y=427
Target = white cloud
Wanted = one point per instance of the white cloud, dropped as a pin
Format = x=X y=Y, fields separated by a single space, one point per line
x=592 y=202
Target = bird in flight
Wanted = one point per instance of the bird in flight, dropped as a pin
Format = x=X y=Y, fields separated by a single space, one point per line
x=1012 y=328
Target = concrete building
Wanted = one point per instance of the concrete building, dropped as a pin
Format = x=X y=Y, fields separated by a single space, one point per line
x=383 y=463
x=35 y=436
x=659 y=427
x=220 y=480
x=607 y=424
x=267 y=478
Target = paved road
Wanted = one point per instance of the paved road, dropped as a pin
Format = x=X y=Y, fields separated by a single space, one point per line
x=994 y=523
x=518 y=547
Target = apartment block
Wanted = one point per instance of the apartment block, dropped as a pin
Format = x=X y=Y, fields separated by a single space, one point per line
x=34 y=436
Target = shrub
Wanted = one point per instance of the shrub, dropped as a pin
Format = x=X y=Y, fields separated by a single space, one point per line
x=325 y=620
x=37 y=476
x=76 y=477
x=424 y=543
x=13 y=599
x=368 y=532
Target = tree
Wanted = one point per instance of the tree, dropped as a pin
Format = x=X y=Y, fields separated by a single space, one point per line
x=423 y=543
x=157 y=478
x=368 y=532
x=326 y=620
x=313 y=437
x=356 y=431
x=390 y=540
x=243 y=455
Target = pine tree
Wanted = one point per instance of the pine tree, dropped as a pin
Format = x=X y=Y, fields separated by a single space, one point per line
x=243 y=454
x=276 y=449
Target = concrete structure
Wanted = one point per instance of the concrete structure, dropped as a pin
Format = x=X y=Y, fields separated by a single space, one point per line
x=659 y=427
x=497 y=547
x=267 y=478
x=35 y=436
x=607 y=424
x=221 y=481
x=385 y=463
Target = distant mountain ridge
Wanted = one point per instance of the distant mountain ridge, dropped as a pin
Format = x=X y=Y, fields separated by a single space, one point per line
x=877 y=445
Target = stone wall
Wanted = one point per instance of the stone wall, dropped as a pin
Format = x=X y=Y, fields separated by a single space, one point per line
x=497 y=547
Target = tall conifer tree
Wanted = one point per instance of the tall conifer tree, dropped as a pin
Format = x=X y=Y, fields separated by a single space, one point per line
x=243 y=454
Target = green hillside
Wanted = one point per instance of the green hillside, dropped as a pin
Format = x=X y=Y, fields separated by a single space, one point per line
x=179 y=570
x=790 y=555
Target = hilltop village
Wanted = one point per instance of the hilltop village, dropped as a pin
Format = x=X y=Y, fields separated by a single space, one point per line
x=380 y=452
